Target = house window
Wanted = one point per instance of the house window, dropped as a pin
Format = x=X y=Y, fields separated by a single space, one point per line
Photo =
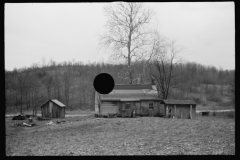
x=150 y=105
x=127 y=105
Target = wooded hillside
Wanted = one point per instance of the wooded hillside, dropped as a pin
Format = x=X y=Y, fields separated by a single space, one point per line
x=72 y=83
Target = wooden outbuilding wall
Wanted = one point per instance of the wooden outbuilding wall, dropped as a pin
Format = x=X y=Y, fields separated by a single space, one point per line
x=118 y=107
x=109 y=108
x=181 y=110
x=52 y=110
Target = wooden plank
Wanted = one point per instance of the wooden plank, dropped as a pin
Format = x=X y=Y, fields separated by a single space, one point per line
x=53 y=111
x=190 y=111
x=100 y=108
x=50 y=109
x=41 y=112
x=109 y=108
x=175 y=110
x=166 y=110
x=155 y=108
x=193 y=111
x=96 y=104
x=140 y=108
x=63 y=112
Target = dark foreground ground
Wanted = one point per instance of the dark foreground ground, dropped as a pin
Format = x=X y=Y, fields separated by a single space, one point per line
x=87 y=135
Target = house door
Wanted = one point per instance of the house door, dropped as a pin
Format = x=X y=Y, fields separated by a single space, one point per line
x=137 y=107
x=128 y=109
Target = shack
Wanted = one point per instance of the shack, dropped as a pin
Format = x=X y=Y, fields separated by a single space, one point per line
x=53 y=109
x=124 y=99
x=185 y=109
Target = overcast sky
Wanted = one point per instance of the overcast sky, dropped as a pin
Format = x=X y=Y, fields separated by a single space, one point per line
x=67 y=31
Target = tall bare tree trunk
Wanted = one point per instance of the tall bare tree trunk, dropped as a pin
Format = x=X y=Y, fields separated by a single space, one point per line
x=21 y=105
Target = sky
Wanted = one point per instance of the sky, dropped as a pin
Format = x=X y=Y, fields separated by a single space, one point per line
x=38 y=32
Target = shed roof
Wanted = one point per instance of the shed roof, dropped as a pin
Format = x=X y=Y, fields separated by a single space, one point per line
x=60 y=104
x=170 y=101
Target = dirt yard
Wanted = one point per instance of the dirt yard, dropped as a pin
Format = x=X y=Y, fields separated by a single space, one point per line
x=87 y=135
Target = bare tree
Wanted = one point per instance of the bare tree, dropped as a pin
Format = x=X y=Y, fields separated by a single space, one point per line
x=22 y=78
x=127 y=35
x=11 y=87
x=48 y=82
x=162 y=70
x=35 y=89
x=220 y=79
x=67 y=83
x=57 y=79
x=232 y=88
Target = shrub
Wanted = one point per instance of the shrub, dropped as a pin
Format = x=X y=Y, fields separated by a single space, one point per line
x=197 y=100
x=214 y=113
x=175 y=95
x=214 y=98
x=228 y=103
x=230 y=114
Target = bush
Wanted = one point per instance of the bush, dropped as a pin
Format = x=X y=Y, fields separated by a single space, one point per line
x=214 y=113
x=228 y=103
x=230 y=114
x=175 y=95
x=196 y=99
x=214 y=98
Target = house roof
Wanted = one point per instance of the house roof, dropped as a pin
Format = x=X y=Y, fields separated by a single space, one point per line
x=110 y=99
x=60 y=104
x=169 y=101
x=132 y=86
x=131 y=93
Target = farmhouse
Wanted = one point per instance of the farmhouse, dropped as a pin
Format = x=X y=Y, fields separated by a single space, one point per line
x=53 y=109
x=180 y=108
x=125 y=99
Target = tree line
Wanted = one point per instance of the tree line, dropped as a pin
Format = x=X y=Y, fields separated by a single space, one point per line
x=72 y=83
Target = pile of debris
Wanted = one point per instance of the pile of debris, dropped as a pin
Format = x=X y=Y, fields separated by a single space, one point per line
x=58 y=122
x=52 y=123
x=42 y=119
x=23 y=117
x=25 y=124
x=19 y=116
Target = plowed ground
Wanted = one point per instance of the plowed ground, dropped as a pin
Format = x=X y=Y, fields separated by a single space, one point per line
x=87 y=135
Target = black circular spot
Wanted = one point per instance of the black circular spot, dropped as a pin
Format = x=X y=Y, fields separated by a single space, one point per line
x=103 y=83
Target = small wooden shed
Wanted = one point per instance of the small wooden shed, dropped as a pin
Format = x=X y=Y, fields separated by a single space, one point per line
x=180 y=108
x=53 y=109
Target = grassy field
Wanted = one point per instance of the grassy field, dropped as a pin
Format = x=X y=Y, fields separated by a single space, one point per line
x=123 y=136
x=211 y=107
x=68 y=112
